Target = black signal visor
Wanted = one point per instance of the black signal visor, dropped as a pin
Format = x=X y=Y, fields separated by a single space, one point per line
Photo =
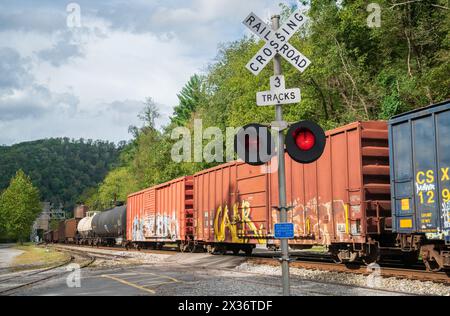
x=305 y=141
x=254 y=144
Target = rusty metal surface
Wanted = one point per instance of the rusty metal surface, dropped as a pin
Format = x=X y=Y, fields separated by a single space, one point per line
x=55 y=235
x=80 y=211
x=344 y=195
x=61 y=232
x=231 y=204
x=161 y=213
x=70 y=229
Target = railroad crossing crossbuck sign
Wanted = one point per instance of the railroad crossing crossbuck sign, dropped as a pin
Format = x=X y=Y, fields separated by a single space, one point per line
x=276 y=42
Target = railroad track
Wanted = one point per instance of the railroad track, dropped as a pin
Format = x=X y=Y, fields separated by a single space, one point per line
x=386 y=272
x=21 y=280
x=308 y=260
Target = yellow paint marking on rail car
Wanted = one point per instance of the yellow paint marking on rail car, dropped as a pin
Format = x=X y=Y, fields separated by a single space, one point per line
x=128 y=283
x=347 y=226
x=406 y=223
x=405 y=204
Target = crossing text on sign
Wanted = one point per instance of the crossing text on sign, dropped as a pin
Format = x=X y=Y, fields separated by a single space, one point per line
x=276 y=42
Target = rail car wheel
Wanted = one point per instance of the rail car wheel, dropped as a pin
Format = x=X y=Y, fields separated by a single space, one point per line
x=431 y=258
x=372 y=256
x=210 y=249
x=432 y=265
x=186 y=246
x=335 y=255
x=236 y=251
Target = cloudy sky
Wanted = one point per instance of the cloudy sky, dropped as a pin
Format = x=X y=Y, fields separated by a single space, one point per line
x=87 y=77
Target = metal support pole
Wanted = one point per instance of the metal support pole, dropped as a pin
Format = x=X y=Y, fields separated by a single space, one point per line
x=281 y=175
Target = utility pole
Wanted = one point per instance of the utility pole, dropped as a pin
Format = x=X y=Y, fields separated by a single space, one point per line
x=281 y=174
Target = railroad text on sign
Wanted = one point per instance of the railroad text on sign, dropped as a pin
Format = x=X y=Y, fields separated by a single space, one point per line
x=276 y=42
x=278 y=97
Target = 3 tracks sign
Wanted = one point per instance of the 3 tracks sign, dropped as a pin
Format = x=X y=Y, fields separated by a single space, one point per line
x=305 y=140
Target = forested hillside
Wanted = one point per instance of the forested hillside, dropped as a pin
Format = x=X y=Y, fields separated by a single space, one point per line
x=357 y=73
x=61 y=168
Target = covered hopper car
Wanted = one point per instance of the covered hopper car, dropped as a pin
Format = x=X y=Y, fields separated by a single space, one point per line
x=420 y=181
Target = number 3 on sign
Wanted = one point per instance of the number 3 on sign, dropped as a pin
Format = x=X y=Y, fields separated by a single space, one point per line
x=277 y=83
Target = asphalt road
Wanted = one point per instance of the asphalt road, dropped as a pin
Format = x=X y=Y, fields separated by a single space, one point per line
x=7 y=254
x=201 y=276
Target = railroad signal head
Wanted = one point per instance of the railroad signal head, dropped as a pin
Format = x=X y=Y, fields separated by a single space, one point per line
x=305 y=141
x=254 y=144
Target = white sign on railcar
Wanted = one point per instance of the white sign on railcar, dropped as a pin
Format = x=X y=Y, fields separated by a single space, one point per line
x=276 y=42
x=276 y=97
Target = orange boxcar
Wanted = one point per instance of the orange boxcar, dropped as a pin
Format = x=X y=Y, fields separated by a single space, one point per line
x=343 y=199
x=231 y=207
x=162 y=213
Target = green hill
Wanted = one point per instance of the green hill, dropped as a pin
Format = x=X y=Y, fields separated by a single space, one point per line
x=61 y=168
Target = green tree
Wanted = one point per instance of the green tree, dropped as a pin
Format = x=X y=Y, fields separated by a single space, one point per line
x=19 y=206
x=60 y=167
x=357 y=73
x=190 y=97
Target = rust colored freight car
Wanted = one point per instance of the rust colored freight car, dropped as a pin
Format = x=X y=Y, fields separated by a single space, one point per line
x=80 y=211
x=61 y=232
x=231 y=207
x=70 y=230
x=343 y=199
x=48 y=236
x=161 y=214
x=55 y=236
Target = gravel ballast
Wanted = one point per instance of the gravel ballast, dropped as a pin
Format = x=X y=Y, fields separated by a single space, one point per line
x=372 y=281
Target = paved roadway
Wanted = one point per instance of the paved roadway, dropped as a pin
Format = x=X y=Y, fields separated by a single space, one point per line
x=7 y=254
x=188 y=274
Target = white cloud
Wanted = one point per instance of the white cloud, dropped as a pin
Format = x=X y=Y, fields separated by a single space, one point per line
x=90 y=82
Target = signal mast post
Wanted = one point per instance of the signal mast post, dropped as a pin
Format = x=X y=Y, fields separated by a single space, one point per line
x=281 y=174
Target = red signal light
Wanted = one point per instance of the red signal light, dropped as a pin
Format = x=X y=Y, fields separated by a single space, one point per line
x=305 y=141
x=304 y=138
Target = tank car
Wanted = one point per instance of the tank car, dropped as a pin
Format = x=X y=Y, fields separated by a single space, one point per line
x=109 y=227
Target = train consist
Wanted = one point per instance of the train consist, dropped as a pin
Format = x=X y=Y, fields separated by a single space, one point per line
x=379 y=189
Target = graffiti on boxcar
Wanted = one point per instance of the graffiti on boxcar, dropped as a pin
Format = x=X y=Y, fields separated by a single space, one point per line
x=307 y=225
x=239 y=226
x=151 y=226
x=446 y=214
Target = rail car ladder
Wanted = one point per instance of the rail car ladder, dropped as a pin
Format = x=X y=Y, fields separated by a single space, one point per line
x=189 y=209
x=375 y=169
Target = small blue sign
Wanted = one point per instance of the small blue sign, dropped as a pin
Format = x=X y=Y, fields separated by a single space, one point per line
x=284 y=230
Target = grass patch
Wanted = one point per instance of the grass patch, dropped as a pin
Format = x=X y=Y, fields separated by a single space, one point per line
x=38 y=257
